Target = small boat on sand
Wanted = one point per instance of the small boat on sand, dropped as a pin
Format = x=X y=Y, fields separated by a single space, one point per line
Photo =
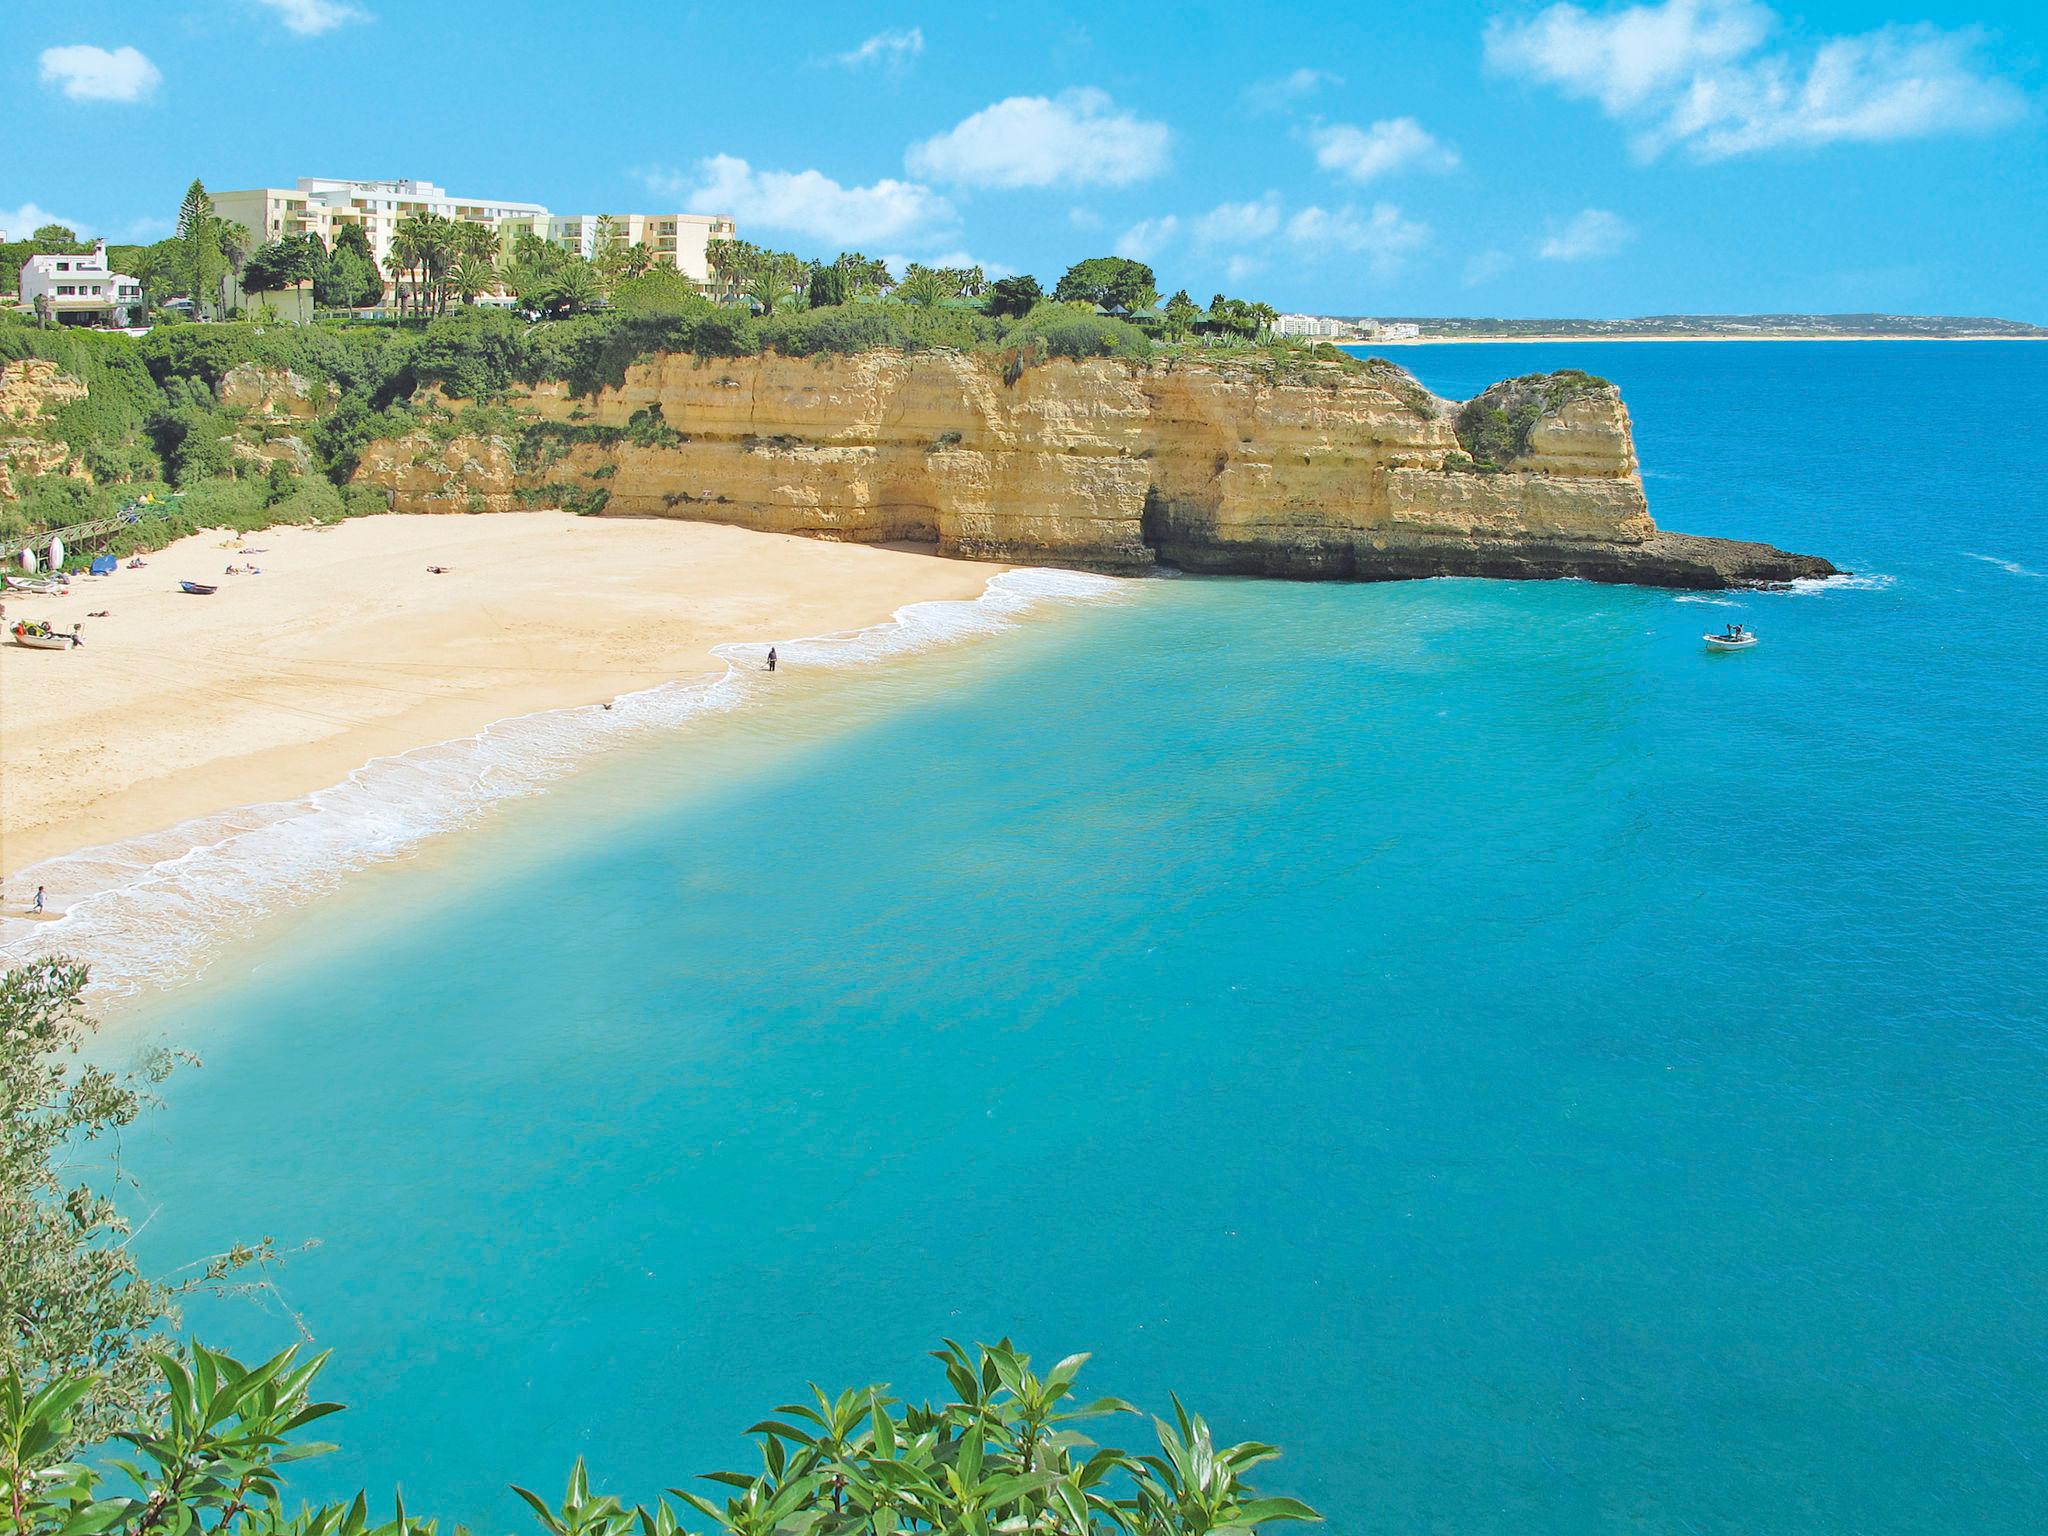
x=40 y=637
x=1735 y=637
x=198 y=588
x=40 y=586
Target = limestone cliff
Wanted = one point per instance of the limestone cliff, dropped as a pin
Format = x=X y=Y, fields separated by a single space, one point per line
x=1303 y=470
x=31 y=390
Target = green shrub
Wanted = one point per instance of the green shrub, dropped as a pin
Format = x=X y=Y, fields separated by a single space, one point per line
x=663 y=290
x=476 y=355
x=1067 y=330
x=1495 y=427
x=120 y=398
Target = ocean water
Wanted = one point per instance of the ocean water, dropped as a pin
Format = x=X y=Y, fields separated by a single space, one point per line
x=1547 y=1078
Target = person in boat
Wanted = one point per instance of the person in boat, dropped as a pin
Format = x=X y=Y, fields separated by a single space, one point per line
x=771 y=658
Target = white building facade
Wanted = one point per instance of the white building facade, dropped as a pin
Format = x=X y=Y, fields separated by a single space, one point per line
x=1324 y=328
x=323 y=206
x=80 y=289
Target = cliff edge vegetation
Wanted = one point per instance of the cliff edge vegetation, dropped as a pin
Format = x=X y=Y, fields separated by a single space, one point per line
x=1064 y=434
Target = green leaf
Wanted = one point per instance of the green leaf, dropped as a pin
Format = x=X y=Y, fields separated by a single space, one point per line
x=1259 y=1511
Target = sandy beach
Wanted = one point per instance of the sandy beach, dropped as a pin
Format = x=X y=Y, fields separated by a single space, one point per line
x=346 y=648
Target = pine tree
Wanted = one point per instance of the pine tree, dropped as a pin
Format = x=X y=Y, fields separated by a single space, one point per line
x=199 y=240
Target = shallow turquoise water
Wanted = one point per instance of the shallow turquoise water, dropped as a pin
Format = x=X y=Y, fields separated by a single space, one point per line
x=1549 y=1079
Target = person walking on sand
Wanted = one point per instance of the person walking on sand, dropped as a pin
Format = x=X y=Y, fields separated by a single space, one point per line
x=39 y=900
x=771 y=658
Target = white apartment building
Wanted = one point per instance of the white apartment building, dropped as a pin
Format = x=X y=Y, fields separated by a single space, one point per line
x=80 y=288
x=1322 y=327
x=679 y=240
x=323 y=205
x=1307 y=325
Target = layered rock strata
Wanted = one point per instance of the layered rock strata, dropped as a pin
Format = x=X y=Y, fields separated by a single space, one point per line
x=1309 y=471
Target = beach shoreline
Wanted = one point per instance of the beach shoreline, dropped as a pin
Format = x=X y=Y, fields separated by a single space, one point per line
x=346 y=649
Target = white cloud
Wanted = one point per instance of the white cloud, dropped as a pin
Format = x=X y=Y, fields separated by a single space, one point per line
x=964 y=259
x=1896 y=83
x=309 y=18
x=807 y=203
x=1696 y=73
x=1284 y=91
x=86 y=73
x=1628 y=57
x=1385 y=236
x=1390 y=145
x=891 y=49
x=24 y=221
x=1486 y=266
x=1147 y=238
x=1084 y=218
x=1239 y=223
x=149 y=228
x=1590 y=233
x=1077 y=138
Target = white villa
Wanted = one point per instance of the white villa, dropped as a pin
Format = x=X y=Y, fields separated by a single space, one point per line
x=80 y=289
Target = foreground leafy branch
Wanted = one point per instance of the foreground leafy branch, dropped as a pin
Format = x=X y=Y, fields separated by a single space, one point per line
x=107 y=1428
x=1003 y=1455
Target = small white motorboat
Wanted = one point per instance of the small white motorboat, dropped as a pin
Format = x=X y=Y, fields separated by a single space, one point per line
x=1735 y=637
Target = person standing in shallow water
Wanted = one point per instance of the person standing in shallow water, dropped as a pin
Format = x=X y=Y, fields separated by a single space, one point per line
x=771 y=658
x=39 y=900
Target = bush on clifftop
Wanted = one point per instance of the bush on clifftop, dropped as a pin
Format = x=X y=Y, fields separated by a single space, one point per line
x=1495 y=427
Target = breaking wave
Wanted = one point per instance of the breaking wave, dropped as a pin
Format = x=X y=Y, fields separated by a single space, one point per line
x=2006 y=565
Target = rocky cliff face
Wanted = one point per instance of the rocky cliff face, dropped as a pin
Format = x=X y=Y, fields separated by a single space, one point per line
x=1304 y=471
x=31 y=389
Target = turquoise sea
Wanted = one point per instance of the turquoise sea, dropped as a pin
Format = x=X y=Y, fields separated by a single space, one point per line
x=1549 y=1079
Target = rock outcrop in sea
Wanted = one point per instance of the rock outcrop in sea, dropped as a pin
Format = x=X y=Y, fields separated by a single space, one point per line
x=1304 y=470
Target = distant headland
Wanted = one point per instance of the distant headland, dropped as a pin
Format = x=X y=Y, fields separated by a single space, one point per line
x=1396 y=330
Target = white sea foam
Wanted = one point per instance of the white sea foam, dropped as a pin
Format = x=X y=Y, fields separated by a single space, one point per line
x=1710 y=601
x=152 y=910
x=1816 y=586
x=2006 y=565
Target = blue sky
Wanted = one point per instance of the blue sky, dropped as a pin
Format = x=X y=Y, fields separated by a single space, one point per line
x=1441 y=158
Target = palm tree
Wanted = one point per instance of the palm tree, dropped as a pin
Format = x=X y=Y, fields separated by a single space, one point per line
x=477 y=240
x=431 y=243
x=470 y=276
x=570 y=289
x=403 y=256
x=236 y=244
